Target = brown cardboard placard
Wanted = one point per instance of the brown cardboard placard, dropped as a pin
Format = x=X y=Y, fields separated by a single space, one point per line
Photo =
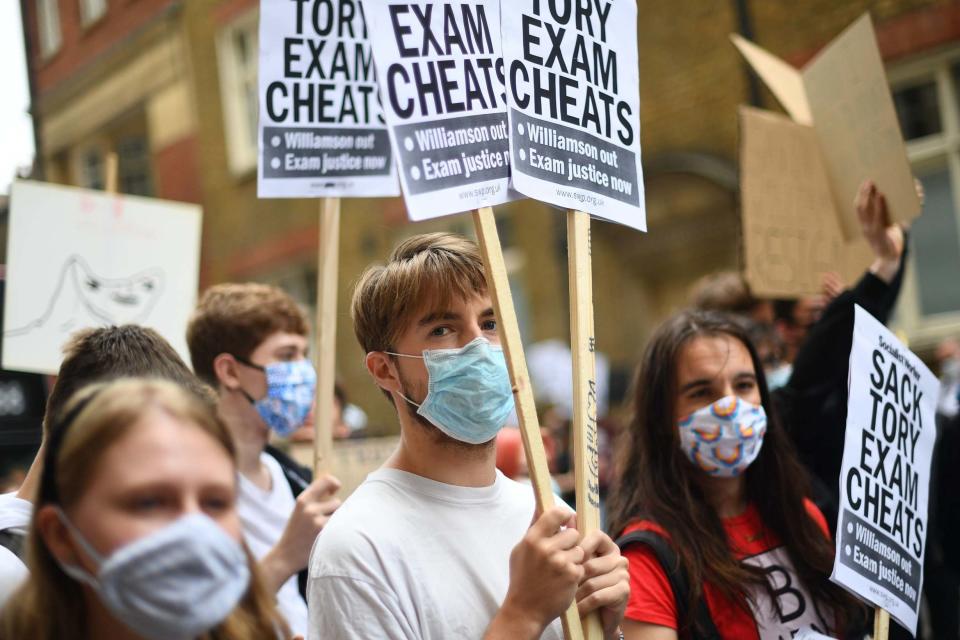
x=846 y=97
x=791 y=232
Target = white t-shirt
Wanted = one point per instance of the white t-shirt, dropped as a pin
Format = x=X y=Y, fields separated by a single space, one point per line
x=410 y=558
x=264 y=516
x=15 y=514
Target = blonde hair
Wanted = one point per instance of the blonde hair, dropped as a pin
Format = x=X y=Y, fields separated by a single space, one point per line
x=50 y=605
x=423 y=271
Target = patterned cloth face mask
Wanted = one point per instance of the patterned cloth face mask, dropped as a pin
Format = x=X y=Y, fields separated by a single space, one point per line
x=290 y=394
x=469 y=395
x=724 y=438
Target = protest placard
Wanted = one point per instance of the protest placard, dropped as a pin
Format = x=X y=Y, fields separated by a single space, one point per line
x=78 y=258
x=843 y=93
x=885 y=477
x=321 y=129
x=440 y=68
x=574 y=105
x=791 y=236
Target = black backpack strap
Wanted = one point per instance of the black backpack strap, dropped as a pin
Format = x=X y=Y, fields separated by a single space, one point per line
x=13 y=541
x=299 y=478
x=704 y=628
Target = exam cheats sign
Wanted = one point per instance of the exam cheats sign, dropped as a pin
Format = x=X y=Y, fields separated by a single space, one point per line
x=440 y=69
x=884 y=482
x=322 y=130
x=574 y=105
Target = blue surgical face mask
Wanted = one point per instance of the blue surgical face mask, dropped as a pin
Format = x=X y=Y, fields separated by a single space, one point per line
x=469 y=395
x=173 y=584
x=290 y=394
x=724 y=438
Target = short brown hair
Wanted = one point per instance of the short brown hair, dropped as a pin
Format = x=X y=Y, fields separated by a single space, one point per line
x=725 y=291
x=236 y=318
x=432 y=268
x=104 y=353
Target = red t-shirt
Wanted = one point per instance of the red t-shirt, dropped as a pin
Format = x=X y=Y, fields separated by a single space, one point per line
x=652 y=601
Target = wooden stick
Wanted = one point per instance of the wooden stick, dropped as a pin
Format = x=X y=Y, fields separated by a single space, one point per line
x=486 y=227
x=881 y=624
x=111 y=172
x=327 y=264
x=586 y=461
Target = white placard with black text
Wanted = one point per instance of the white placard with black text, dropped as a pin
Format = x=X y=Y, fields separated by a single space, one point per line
x=440 y=68
x=885 y=478
x=321 y=130
x=573 y=97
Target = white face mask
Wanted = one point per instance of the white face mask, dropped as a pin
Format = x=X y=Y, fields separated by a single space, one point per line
x=724 y=438
x=173 y=584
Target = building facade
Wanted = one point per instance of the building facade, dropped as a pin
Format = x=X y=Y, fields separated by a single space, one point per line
x=171 y=87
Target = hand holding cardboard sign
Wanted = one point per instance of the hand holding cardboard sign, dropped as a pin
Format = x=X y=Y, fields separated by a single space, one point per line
x=885 y=239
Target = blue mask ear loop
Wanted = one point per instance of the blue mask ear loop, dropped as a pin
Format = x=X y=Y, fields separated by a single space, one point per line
x=247 y=363
x=405 y=355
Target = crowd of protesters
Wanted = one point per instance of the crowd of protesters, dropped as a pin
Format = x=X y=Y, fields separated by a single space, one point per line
x=157 y=508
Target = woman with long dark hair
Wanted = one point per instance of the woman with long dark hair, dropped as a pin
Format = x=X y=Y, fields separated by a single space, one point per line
x=710 y=502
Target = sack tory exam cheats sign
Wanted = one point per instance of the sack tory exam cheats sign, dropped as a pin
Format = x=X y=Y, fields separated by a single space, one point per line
x=885 y=478
x=574 y=105
x=322 y=131
x=441 y=77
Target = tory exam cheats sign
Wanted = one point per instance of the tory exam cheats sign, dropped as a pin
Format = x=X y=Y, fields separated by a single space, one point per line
x=321 y=131
x=574 y=105
x=440 y=69
x=884 y=482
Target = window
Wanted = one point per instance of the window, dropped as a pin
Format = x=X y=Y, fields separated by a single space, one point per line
x=48 y=25
x=91 y=11
x=133 y=166
x=926 y=94
x=92 y=170
x=237 y=52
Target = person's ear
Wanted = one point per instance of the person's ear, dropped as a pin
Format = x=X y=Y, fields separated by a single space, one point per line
x=226 y=367
x=56 y=536
x=384 y=371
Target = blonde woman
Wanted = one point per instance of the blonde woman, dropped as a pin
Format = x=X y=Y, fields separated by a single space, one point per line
x=135 y=535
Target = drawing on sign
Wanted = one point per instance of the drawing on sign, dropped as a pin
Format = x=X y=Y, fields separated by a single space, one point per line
x=83 y=298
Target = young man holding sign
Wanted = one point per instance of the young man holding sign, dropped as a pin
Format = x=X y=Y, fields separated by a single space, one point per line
x=437 y=543
x=249 y=341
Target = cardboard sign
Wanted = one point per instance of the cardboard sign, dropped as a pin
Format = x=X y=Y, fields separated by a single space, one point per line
x=885 y=478
x=78 y=258
x=844 y=94
x=791 y=235
x=574 y=98
x=321 y=130
x=440 y=68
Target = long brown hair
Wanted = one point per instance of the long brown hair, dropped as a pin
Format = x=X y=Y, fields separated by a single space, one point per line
x=50 y=605
x=656 y=482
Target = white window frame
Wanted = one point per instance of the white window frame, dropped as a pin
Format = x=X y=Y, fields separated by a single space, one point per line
x=234 y=79
x=48 y=27
x=936 y=150
x=91 y=11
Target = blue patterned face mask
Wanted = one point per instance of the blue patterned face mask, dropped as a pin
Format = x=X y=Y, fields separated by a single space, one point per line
x=724 y=438
x=290 y=394
x=469 y=396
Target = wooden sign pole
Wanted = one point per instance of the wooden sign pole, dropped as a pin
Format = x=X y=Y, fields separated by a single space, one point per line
x=111 y=172
x=881 y=624
x=327 y=265
x=585 y=451
x=486 y=227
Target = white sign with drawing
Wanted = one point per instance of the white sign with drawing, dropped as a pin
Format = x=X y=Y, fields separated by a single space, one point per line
x=78 y=258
